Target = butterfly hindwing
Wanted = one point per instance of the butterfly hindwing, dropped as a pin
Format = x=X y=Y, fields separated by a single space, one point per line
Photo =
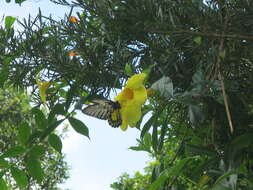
x=115 y=118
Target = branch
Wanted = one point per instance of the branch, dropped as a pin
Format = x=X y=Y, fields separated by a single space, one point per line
x=221 y=50
x=210 y=35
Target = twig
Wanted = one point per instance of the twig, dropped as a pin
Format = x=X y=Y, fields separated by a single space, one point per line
x=222 y=81
x=210 y=35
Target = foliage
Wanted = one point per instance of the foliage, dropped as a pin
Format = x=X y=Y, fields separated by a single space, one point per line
x=198 y=55
x=16 y=125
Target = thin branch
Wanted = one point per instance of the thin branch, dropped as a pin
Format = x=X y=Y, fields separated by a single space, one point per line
x=221 y=50
x=210 y=35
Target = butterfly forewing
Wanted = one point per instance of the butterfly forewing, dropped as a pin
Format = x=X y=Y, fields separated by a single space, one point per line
x=103 y=109
x=96 y=111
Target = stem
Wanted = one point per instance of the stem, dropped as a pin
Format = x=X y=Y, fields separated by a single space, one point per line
x=221 y=49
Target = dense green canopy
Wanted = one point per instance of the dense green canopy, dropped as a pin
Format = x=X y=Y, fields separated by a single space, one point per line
x=199 y=58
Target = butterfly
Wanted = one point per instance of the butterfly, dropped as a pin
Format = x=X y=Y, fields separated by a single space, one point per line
x=106 y=110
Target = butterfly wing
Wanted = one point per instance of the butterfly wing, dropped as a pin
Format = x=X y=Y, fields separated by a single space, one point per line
x=114 y=119
x=105 y=110
x=100 y=109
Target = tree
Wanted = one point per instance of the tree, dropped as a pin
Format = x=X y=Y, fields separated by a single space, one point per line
x=16 y=122
x=199 y=58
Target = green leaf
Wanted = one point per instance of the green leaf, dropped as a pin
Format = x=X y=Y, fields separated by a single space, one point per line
x=170 y=172
x=34 y=169
x=13 y=152
x=177 y=168
x=19 y=1
x=147 y=125
x=154 y=138
x=200 y=150
x=3 y=185
x=128 y=70
x=137 y=148
x=5 y=71
x=79 y=126
x=9 y=21
x=162 y=135
x=3 y=164
x=55 y=142
x=40 y=118
x=51 y=128
x=158 y=182
x=164 y=86
x=195 y=114
x=24 y=132
x=242 y=141
x=37 y=151
x=221 y=187
x=58 y=109
x=224 y=176
x=19 y=176
x=197 y=40
x=69 y=97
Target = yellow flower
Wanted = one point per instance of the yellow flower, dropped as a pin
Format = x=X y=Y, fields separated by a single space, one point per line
x=43 y=86
x=131 y=98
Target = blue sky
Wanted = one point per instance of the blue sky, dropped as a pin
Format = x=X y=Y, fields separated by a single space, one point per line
x=97 y=162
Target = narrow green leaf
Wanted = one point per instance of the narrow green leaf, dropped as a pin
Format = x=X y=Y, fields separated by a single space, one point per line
x=224 y=176
x=170 y=172
x=9 y=21
x=24 y=132
x=242 y=141
x=221 y=187
x=137 y=148
x=3 y=185
x=69 y=97
x=19 y=1
x=158 y=182
x=154 y=138
x=147 y=125
x=34 y=169
x=79 y=126
x=128 y=70
x=13 y=152
x=4 y=71
x=147 y=140
x=177 y=168
x=162 y=135
x=3 y=164
x=40 y=118
x=195 y=114
x=19 y=176
x=197 y=40
x=55 y=142
x=200 y=150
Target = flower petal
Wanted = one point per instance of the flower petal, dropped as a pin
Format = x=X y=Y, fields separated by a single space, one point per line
x=130 y=113
x=136 y=81
x=140 y=95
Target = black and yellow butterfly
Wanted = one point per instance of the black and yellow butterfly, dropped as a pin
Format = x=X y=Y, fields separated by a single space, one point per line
x=106 y=110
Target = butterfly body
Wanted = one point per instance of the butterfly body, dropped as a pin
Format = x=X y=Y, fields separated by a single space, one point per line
x=105 y=110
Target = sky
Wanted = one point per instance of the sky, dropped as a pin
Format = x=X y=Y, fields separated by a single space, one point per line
x=94 y=163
